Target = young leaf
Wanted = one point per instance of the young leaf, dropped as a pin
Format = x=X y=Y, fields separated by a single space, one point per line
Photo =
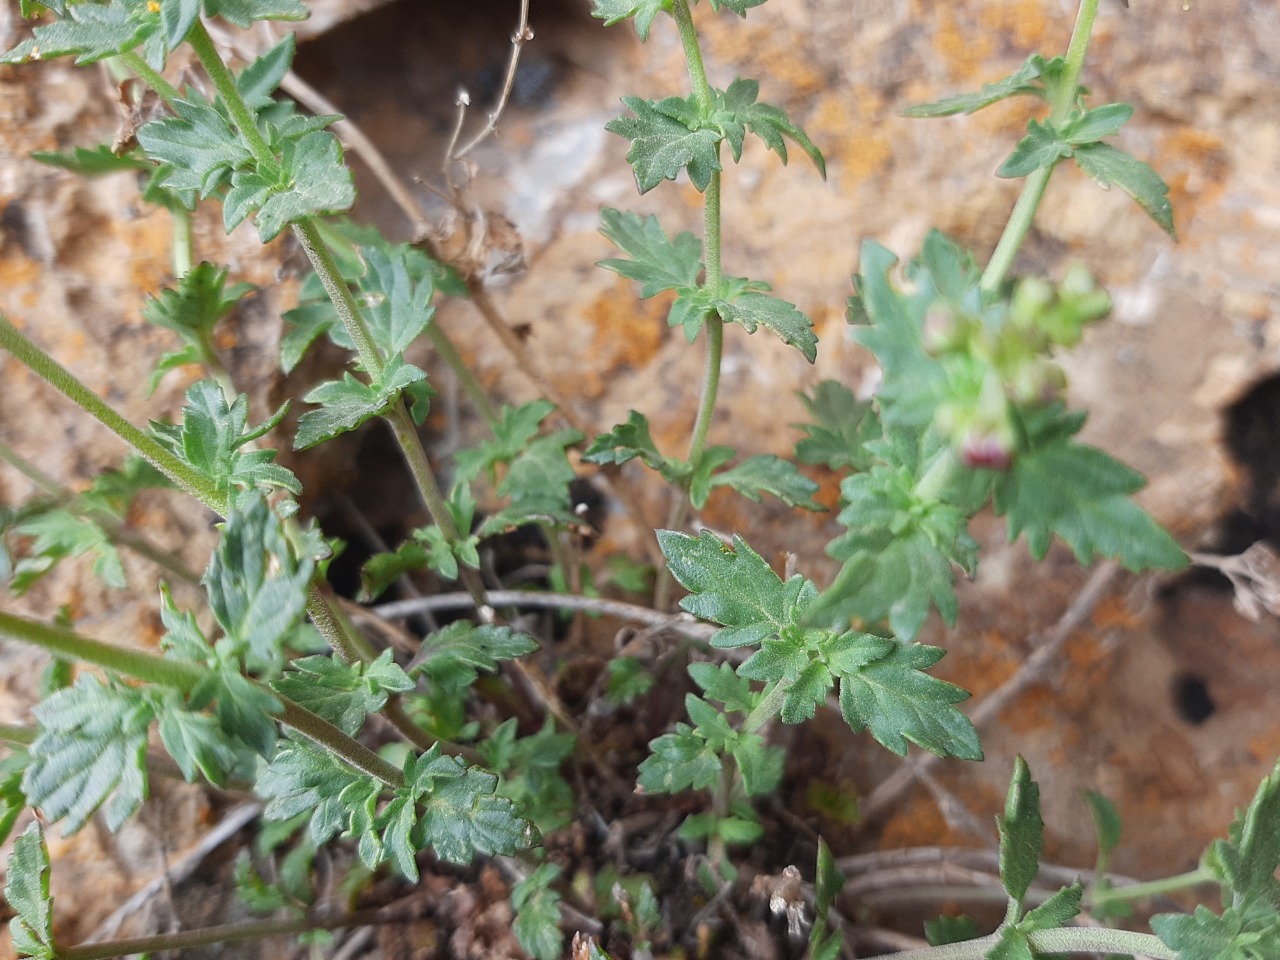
x=198 y=743
x=825 y=943
x=211 y=438
x=26 y=889
x=766 y=473
x=462 y=815
x=537 y=910
x=1021 y=81
x=642 y=11
x=93 y=32
x=344 y=694
x=313 y=181
x=678 y=761
x=91 y=750
x=516 y=427
x=738 y=106
x=538 y=479
x=191 y=310
x=1021 y=833
x=398 y=288
x=945 y=929
x=893 y=698
x=454 y=655
x=92 y=162
x=244 y=13
x=662 y=146
x=625 y=442
x=901 y=548
x=304 y=778
x=1110 y=166
x=1247 y=860
x=1055 y=912
x=731 y=586
x=257 y=586
x=1096 y=124
x=12 y=800
x=1041 y=147
x=1082 y=495
x=347 y=403
x=842 y=428
x=1235 y=935
x=752 y=309
x=198 y=147
x=58 y=533
x=657 y=263
x=628 y=679
x=1106 y=822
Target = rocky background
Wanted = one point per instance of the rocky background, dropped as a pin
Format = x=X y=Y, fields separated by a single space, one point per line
x=1165 y=698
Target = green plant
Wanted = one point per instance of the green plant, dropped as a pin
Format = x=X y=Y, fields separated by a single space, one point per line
x=971 y=412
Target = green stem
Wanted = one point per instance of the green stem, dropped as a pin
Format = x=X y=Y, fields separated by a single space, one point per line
x=241 y=114
x=712 y=279
x=1024 y=212
x=331 y=738
x=768 y=708
x=152 y=78
x=339 y=294
x=1076 y=51
x=18 y=734
x=180 y=252
x=225 y=933
x=466 y=379
x=1149 y=889
x=415 y=456
x=68 y=645
x=692 y=52
x=66 y=383
x=1061 y=940
x=180 y=675
x=936 y=478
x=343 y=638
x=1016 y=230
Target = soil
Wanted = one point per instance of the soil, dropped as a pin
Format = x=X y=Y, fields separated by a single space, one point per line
x=1163 y=699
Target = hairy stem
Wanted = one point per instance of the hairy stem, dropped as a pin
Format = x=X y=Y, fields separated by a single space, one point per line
x=343 y=638
x=1061 y=940
x=68 y=645
x=339 y=294
x=18 y=734
x=152 y=78
x=241 y=114
x=712 y=324
x=1149 y=889
x=61 y=379
x=1024 y=211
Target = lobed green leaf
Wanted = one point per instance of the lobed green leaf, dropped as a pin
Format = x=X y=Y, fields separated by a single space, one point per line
x=897 y=702
x=1110 y=166
x=347 y=403
x=1021 y=833
x=90 y=751
x=662 y=145
x=26 y=889
x=732 y=586
x=642 y=11
x=657 y=262
x=256 y=584
x=537 y=913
